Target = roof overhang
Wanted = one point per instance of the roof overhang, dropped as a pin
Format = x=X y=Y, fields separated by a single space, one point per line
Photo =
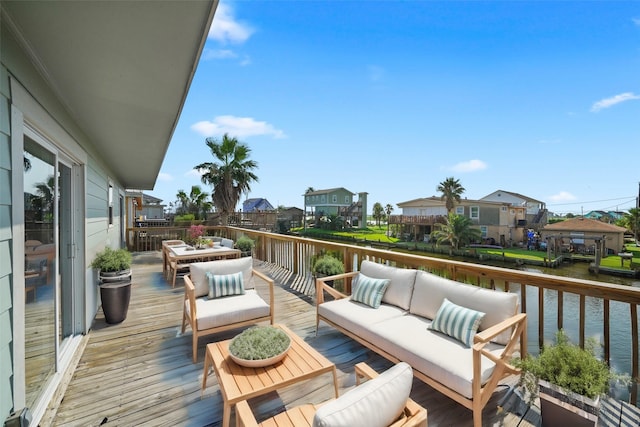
x=122 y=69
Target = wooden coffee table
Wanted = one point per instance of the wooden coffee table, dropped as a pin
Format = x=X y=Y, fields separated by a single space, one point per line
x=239 y=383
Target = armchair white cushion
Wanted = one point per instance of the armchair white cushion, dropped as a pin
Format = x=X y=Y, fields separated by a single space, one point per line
x=376 y=403
x=208 y=316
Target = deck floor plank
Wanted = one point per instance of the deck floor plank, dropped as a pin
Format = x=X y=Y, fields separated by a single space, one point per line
x=140 y=372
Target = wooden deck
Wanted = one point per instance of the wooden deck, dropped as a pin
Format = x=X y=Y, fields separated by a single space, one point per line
x=140 y=371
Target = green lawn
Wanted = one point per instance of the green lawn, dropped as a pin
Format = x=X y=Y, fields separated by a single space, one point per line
x=379 y=234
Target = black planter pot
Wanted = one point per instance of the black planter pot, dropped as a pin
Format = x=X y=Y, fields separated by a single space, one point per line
x=115 y=293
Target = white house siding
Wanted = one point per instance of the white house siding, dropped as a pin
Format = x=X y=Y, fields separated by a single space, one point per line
x=6 y=276
x=17 y=72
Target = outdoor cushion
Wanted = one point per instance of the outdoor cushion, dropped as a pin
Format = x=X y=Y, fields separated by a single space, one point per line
x=228 y=310
x=223 y=266
x=222 y=285
x=400 y=282
x=437 y=356
x=369 y=291
x=376 y=403
x=430 y=291
x=227 y=243
x=358 y=318
x=457 y=322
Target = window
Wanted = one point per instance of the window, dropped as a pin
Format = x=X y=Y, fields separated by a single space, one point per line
x=460 y=210
x=110 y=196
x=346 y=199
x=334 y=198
x=503 y=208
x=475 y=212
x=323 y=198
x=483 y=230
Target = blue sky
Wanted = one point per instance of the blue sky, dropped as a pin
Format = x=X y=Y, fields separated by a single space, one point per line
x=393 y=97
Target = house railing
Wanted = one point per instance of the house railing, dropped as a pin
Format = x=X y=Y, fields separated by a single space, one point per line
x=417 y=219
x=595 y=306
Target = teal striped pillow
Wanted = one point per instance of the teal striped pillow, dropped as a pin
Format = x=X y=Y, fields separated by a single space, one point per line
x=369 y=291
x=458 y=322
x=222 y=285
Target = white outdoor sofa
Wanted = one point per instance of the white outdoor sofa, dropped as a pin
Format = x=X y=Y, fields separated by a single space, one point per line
x=399 y=329
x=208 y=315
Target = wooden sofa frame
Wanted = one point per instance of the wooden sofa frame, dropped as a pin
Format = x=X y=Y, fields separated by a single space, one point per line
x=192 y=319
x=413 y=414
x=481 y=394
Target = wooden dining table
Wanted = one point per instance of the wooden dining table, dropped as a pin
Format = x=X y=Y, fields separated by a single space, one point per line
x=186 y=254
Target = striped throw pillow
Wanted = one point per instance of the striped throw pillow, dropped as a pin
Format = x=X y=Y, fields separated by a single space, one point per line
x=369 y=291
x=222 y=285
x=458 y=322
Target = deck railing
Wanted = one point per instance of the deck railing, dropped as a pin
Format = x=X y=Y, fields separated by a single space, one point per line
x=544 y=297
x=583 y=307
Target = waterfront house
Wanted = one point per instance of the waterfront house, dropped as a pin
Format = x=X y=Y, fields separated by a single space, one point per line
x=500 y=222
x=90 y=94
x=536 y=214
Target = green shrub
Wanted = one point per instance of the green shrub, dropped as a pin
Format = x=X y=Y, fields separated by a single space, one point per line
x=568 y=366
x=245 y=244
x=259 y=342
x=112 y=260
x=327 y=265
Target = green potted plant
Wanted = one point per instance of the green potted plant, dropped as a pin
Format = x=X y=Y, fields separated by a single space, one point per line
x=245 y=244
x=569 y=381
x=327 y=265
x=114 y=271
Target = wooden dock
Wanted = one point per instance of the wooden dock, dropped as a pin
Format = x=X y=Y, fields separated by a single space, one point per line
x=140 y=372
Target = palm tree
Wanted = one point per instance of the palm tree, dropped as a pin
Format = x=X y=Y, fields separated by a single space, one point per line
x=457 y=231
x=387 y=210
x=184 y=202
x=378 y=212
x=230 y=175
x=451 y=191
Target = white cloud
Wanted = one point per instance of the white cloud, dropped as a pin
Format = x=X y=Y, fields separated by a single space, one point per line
x=226 y=29
x=610 y=102
x=469 y=166
x=218 y=54
x=162 y=176
x=239 y=127
x=194 y=173
x=636 y=21
x=563 y=196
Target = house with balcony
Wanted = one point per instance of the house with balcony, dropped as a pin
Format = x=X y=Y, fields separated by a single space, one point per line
x=501 y=223
x=90 y=95
x=536 y=215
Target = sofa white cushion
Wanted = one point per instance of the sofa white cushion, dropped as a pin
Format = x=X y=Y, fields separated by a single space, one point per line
x=401 y=282
x=431 y=290
x=438 y=356
x=358 y=318
x=457 y=322
x=212 y=313
x=376 y=403
x=369 y=291
x=227 y=243
x=220 y=267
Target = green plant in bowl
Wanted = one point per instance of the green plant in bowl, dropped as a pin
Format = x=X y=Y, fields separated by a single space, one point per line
x=262 y=345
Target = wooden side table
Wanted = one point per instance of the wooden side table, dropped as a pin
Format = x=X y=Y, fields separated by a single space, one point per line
x=239 y=383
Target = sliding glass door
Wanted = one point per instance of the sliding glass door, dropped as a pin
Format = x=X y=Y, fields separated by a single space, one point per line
x=51 y=295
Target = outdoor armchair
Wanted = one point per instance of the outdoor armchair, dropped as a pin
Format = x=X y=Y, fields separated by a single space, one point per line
x=212 y=304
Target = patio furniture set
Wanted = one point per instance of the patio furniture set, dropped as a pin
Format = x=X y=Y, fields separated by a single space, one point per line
x=402 y=314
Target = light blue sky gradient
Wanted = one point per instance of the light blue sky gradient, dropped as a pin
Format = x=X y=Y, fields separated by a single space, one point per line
x=392 y=97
